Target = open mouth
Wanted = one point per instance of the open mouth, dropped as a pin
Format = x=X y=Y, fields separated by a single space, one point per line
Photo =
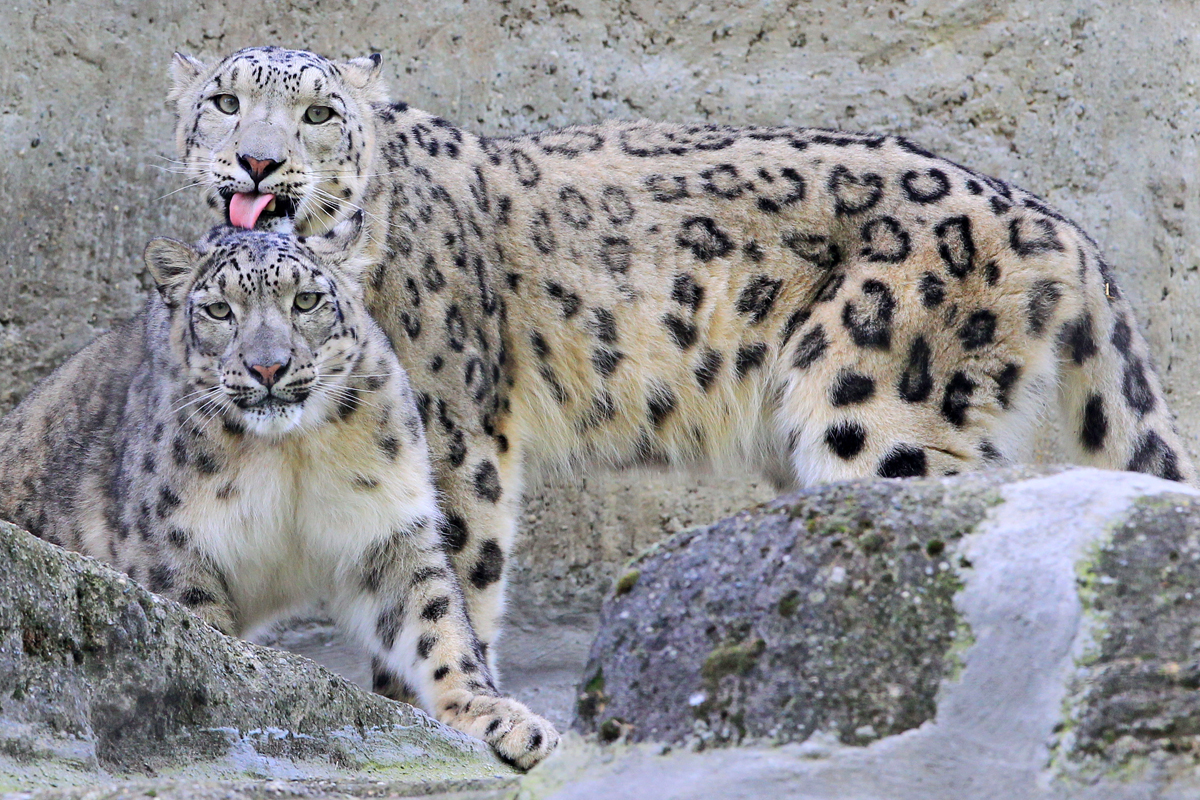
x=245 y=209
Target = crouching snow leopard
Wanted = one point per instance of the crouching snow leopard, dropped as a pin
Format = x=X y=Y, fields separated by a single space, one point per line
x=828 y=305
x=249 y=443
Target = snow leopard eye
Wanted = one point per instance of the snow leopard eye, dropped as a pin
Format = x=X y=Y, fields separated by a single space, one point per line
x=315 y=115
x=226 y=103
x=307 y=301
x=218 y=310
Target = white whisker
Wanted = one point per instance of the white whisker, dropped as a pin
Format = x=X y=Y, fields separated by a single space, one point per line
x=338 y=393
x=180 y=189
x=191 y=398
x=202 y=410
x=336 y=174
x=322 y=193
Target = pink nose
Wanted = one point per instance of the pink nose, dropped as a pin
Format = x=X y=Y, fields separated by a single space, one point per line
x=258 y=168
x=268 y=374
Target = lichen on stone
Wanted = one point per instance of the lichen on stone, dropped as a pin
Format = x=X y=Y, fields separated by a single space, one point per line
x=627 y=582
x=1135 y=693
x=830 y=609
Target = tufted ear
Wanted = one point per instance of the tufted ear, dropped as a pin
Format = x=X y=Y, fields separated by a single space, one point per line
x=363 y=74
x=340 y=246
x=184 y=72
x=171 y=264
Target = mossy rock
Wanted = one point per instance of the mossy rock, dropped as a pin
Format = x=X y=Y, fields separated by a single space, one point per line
x=102 y=680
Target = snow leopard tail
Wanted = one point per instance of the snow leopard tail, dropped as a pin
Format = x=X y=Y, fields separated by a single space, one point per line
x=1111 y=395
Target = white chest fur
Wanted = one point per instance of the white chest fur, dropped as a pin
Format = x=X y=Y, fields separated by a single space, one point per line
x=291 y=516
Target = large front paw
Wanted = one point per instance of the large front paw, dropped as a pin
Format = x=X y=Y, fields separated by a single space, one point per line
x=518 y=736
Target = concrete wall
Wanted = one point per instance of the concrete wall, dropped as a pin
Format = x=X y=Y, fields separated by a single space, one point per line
x=1090 y=104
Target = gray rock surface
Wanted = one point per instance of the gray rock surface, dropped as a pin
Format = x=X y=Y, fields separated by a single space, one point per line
x=101 y=680
x=1133 y=702
x=316 y=789
x=830 y=610
x=1072 y=673
x=1052 y=656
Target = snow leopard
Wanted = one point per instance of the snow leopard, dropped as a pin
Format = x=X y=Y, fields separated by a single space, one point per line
x=249 y=443
x=818 y=304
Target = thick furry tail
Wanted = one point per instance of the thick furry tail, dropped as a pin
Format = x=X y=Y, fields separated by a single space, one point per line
x=1113 y=399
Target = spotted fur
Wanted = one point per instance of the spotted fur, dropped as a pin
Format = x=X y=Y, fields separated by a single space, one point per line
x=824 y=304
x=244 y=453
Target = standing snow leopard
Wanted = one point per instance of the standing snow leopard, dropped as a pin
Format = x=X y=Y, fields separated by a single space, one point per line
x=825 y=304
x=249 y=443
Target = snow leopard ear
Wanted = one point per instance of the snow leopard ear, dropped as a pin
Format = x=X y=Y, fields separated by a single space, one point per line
x=340 y=246
x=364 y=75
x=171 y=264
x=184 y=72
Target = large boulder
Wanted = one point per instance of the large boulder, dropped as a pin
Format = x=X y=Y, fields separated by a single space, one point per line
x=1010 y=634
x=101 y=680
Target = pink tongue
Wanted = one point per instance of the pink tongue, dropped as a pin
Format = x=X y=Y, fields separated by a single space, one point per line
x=244 y=208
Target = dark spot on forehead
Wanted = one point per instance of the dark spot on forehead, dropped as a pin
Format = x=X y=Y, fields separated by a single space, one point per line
x=254 y=260
x=274 y=65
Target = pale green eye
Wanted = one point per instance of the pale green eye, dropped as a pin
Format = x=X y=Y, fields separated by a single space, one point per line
x=227 y=103
x=307 y=301
x=218 y=310
x=315 y=115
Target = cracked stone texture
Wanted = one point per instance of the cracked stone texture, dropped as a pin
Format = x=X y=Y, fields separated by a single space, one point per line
x=1072 y=674
x=100 y=679
x=1135 y=699
x=1090 y=105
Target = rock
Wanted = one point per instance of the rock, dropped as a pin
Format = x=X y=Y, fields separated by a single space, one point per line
x=101 y=680
x=1133 y=701
x=851 y=585
x=1022 y=634
x=312 y=789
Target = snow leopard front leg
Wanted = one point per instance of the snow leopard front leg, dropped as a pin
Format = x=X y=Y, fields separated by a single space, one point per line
x=403 y=601
x=477 y=474
x=477 y=538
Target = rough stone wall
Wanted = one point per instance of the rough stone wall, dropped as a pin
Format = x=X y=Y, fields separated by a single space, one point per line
x=1090 y=104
